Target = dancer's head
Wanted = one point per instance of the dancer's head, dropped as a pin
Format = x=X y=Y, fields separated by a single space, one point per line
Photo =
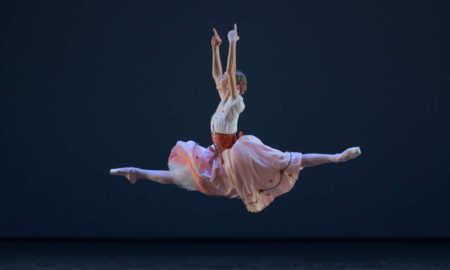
x=241 y=81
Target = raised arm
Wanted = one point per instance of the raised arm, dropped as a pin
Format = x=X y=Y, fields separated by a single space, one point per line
x=231 y=65
x=216 y=64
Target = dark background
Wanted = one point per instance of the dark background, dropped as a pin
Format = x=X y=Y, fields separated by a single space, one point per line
x=89 y=85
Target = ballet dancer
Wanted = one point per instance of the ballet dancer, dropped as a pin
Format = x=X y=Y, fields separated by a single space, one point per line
x=234 y=166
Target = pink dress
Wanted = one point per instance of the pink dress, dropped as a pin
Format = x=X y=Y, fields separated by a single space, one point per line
x=251 y=171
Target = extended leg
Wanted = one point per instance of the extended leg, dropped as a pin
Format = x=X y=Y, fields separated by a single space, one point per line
x=313 y=159
x=133 y=174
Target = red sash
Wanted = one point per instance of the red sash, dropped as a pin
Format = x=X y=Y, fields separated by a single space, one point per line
x=223 y=141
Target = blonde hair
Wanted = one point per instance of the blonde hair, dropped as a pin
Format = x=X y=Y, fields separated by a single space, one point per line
x=242 y=80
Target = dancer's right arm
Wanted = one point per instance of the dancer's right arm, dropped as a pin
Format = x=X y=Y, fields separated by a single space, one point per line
x=216 y=64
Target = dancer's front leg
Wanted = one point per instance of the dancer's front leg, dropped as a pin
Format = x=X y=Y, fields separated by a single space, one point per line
x=133 y=174
x=313 y=159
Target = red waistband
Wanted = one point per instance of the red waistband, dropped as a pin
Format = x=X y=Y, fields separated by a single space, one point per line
x=224 y=141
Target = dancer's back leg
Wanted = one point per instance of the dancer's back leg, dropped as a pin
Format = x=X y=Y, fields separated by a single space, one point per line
x=133 y=174
x=313 y=159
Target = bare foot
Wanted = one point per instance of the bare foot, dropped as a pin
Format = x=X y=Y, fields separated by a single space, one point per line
x=347 y=154
x=131 y=173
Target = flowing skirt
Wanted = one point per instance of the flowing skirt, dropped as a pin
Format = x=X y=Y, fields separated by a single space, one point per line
x=251 y=171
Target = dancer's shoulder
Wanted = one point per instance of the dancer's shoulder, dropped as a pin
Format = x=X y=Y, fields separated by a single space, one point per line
x=239 y=98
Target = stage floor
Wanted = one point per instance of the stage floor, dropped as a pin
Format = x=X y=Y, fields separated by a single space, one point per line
x=208 y=254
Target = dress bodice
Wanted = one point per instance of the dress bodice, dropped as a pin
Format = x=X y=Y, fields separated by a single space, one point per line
x=226 y=121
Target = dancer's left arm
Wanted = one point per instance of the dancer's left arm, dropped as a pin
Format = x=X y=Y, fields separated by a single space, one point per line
x=231 y=65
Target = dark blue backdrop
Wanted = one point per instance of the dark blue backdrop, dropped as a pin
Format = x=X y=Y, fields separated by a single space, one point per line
x=88 y=86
